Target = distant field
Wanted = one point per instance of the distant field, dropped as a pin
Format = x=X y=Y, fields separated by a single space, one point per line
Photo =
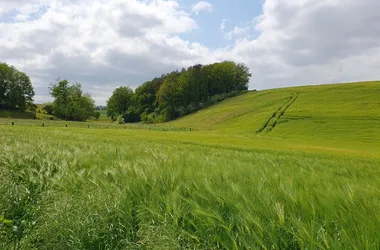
x=295 y=168
x=103 y=117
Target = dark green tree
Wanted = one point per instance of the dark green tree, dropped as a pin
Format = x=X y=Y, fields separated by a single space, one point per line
x=70 y=103
x=121 y=103
x=242 y=76
x=169 y=96
x=146 y=99
x=97 y=115
x=16 y=90
x=48 y=108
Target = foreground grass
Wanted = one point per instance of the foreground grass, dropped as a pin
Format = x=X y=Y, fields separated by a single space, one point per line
x=72 y=188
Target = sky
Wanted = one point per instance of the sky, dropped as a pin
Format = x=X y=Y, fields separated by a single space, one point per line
x=104 y=44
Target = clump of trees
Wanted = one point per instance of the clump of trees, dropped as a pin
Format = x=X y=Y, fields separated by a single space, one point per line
x=179 y=93
x=16 y=93
x=69 y=102
x=16 y=90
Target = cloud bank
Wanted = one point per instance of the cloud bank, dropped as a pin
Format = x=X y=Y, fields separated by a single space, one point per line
x=105 y=44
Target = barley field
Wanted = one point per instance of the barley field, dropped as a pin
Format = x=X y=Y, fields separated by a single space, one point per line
x=295 y=168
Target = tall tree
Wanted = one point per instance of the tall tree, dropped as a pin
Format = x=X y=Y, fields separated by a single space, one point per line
x=16 y=90
x=242 y=76
x=119 y=103
x=70 y=103
x=169 y=95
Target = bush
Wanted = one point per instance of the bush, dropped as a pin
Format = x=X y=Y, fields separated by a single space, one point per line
x=192 y=107
x=97 y=115
x=120 y=120
x=149 y=118
x=48 y=108
x=179 y=112
x=131 y=117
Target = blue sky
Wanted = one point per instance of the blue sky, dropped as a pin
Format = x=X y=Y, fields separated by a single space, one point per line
x=236 y=13
x=104 y=44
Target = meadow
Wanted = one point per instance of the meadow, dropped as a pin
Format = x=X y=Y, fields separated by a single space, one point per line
x=257 y=171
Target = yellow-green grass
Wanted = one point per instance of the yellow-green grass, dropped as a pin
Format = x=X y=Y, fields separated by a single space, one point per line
x=347 y=112
x=312 y=182
x=339 y=111
x=78 y=188
x=210 y=138
x=92 y=124
x=241 y=114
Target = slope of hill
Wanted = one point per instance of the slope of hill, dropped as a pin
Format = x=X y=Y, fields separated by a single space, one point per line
x=349 y=111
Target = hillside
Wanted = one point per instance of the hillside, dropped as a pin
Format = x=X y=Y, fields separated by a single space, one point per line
x=349 y=111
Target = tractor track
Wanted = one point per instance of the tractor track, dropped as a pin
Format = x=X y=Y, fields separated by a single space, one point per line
x=269 y=125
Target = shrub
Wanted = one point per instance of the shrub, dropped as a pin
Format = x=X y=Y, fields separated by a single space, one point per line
x=120 y=120
x=48 y=108
x=97 y=115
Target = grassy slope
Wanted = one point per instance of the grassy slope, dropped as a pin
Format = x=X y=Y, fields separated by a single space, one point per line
x=246 y=113
x=346 y=113
x=242 y=114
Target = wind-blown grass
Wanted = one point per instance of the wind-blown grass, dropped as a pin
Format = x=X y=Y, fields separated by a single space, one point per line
x=107 y=190
x=312 y=182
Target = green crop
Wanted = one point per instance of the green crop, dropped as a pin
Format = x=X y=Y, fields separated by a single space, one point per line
x=311 y=182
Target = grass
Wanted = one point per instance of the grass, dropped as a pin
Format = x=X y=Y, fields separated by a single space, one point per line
x=90 y=124
x=15 y=114
x=312 y=182
x=242 y=114
x=246 y=114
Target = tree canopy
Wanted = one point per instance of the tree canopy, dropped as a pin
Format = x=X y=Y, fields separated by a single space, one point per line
x=119 y=102
x=70 y=103
x=16 y=90
x=179 y=93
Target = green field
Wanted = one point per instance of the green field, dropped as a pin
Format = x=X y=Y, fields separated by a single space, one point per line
x=294 y=168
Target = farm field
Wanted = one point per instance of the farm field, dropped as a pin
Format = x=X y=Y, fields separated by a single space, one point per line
x=294 y=168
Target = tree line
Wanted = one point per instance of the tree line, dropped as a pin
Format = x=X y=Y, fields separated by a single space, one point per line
x=16 y=93
x=162 y=99
x=178 y=93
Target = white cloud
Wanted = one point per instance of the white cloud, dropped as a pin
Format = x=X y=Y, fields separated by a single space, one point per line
x=202 y=6
x=123 y=42
x=311 y=42
x=222 y=26
x=105 y=44
x=25 y=11
x=237 y=32
x=7 y=5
